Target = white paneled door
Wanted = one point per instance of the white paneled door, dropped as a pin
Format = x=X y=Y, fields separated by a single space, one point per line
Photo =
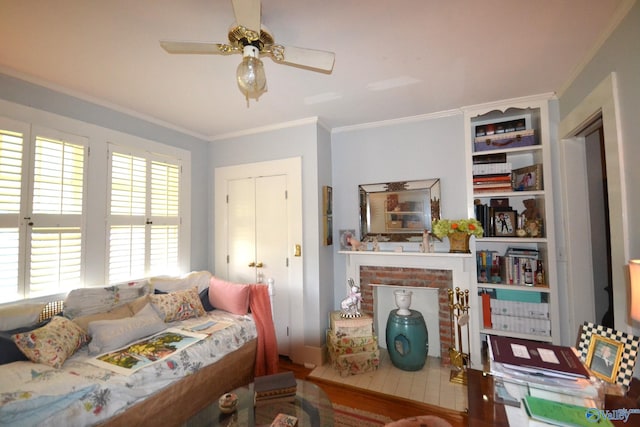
x=257 y=242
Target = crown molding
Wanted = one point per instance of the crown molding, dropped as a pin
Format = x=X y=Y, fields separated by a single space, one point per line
x=402 y=120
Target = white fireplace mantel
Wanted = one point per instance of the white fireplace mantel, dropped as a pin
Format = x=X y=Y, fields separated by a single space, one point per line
x=462 y=267
x=458 y=263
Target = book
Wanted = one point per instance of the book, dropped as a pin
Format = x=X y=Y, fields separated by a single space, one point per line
x=490 y=158
x=270 y=400
x=537 y=358
x=284 y=420
x=281 y=383
x=564 y=414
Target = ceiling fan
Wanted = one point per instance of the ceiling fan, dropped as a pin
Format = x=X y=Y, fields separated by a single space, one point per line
x=249 y=37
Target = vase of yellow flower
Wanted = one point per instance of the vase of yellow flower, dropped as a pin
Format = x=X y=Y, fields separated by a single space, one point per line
x=458 y=231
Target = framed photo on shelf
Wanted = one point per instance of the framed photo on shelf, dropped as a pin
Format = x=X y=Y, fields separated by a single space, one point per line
x=345 y=237
x=504 y=223
x=630 y=343
x=528 y=178
x=603 y=358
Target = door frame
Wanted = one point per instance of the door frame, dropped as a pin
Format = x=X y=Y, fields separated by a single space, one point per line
x=602 y=100
x=292 y=168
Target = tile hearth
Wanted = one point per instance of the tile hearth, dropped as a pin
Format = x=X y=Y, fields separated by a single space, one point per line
x=429 y=385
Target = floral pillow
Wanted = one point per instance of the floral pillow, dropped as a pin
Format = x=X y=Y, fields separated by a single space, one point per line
x=178 y=305
x=53 y=343
x=167 y=284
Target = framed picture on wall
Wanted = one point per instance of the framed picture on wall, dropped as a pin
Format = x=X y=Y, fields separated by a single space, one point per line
x=327 y=216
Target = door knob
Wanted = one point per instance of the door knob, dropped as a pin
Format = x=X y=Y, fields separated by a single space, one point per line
x=252 y=264
x=259 y=265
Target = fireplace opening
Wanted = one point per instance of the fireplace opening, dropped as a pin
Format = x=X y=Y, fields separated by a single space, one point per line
x=439 y=280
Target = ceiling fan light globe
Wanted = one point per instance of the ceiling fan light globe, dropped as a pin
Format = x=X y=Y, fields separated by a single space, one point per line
x=251 y=77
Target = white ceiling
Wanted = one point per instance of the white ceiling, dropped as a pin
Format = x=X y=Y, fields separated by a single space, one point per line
x=394 y=59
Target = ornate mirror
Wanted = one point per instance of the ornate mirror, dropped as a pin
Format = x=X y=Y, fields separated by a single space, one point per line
x=398 y=211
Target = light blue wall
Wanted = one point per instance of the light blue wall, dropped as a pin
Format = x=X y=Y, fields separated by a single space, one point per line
x=620 y=53
x=41 y=98
x=326 y=261
x=412 y=150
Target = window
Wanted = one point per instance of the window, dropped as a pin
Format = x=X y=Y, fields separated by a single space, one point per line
x=144 y=215
x=42 y=184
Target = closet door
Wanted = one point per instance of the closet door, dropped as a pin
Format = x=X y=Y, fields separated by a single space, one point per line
x=271 y=250
x=241 y=237
x=257 y=242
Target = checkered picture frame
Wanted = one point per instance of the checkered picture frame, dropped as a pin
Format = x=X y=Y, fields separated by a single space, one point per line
x=629 y=352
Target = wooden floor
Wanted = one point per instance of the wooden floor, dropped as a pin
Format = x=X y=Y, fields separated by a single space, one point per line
x=395 y=408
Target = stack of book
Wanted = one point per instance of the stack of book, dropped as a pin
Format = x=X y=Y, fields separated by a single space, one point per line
x=491 y=173
x=518 y=264
x=529 y=368
x=280 y=387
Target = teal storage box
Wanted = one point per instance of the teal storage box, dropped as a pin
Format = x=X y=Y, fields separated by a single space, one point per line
x=521 y=296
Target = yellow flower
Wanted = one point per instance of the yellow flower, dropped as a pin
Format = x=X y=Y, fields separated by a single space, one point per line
x=444 y=227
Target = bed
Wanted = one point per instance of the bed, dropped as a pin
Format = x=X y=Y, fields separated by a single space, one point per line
x=224 y=350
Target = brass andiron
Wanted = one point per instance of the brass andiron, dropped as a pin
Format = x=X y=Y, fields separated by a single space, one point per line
x=459 y=314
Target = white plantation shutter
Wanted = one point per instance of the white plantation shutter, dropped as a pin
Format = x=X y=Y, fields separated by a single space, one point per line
x=58 y=177
x=55 y=245
x=11 y=154
x=128 y=185
x=41 y=208
x=144 y=220
x=126 y=252
x=55 y=259
x=165 y=208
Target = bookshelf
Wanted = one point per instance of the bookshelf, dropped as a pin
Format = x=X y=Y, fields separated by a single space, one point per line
x=512 y=138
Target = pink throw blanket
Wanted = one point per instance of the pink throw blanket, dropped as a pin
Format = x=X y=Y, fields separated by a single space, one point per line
x=267 y=355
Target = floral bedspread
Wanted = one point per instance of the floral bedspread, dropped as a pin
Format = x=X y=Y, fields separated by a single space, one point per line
x=82 y=394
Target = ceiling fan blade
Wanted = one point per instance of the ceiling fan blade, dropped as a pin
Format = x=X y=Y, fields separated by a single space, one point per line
x=308 y=58
x=248 y=14
x=197 y=47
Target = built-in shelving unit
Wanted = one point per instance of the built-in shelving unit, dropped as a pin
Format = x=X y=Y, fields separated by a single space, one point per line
x=512 y=138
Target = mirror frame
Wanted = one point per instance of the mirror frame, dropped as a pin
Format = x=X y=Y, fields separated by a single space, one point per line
x=431 y=198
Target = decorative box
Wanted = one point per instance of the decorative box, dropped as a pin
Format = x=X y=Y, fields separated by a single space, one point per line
x=350 y=345
x=500 y=141
x=394 y=224
x=351 y=327
x=357 y=363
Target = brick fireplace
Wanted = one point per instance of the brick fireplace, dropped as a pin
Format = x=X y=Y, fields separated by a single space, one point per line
x=441 y=271
x=412 y=278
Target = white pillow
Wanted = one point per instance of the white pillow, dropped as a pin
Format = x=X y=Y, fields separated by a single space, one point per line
x=20 y=315
x=200 y=279
x=107 y=335
x=85 y=301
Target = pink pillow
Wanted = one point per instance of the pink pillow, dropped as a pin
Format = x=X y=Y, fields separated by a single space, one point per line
x=227 y=296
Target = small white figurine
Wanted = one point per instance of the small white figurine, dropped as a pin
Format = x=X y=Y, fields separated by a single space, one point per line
x=376 y=245
x=350 y=304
